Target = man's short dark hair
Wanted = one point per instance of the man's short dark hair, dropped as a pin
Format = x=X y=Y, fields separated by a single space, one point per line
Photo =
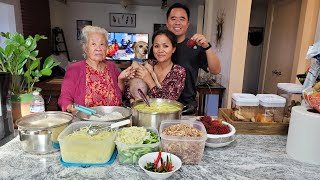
x=179 y=5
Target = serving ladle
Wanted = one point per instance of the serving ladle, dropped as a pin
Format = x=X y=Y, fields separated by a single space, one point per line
x=94 y=130
x=143 y=96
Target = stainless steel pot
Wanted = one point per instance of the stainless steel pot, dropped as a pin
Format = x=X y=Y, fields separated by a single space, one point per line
x=38 y=132
x=37 y=141
x=153 y=119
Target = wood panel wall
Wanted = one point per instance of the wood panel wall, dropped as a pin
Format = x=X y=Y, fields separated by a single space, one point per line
x=36 y=20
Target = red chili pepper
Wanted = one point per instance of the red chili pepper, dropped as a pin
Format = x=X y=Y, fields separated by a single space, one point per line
x=160 y=169
x=170 y=166
x=155 y=164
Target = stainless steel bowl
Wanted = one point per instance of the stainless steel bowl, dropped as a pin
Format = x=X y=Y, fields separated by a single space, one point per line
x=103 y=110
x=153 y=119
x=39 y=132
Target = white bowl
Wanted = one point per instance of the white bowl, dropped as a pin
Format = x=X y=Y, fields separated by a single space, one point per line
x=220 y=140
x=150 y=157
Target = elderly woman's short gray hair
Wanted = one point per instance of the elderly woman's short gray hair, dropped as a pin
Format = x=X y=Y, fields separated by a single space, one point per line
x=85 y=33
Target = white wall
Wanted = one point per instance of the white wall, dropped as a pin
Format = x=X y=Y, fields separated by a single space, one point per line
x=7 y=20
x=66 y=15
x=224 y=52
x=16 y=23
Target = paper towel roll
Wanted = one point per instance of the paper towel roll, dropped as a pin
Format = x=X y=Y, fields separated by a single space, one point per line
x=303 y=136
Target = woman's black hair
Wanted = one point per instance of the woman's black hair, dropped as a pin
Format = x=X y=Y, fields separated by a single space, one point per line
x=163 y=31
x=179 y=5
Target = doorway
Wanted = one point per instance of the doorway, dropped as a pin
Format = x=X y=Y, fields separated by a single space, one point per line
x=270 y=62
x=256 y=31
x=283 y=18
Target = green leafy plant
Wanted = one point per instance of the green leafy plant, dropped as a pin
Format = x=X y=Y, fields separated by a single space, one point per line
x=19 y=57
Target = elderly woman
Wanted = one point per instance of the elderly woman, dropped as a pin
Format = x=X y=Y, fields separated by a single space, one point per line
x=93 y=81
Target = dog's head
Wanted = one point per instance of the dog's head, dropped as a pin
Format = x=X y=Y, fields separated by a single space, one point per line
x=140 y=49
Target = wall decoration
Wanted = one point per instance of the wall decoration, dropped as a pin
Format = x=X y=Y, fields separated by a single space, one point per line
x=156 y=27
x=122 y=20
x=219 y=27
x=255 y=35
x=81 y=24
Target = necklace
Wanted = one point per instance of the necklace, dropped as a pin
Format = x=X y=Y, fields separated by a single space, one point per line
x=162 y=73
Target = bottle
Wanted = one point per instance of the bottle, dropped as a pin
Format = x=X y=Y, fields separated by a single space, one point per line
x=37 y=104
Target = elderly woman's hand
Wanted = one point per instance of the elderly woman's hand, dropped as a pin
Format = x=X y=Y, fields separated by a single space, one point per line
x=127 y=74
x=71 y=109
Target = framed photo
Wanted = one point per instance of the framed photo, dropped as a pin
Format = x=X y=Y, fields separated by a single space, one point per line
x=81 y=24
x=156 y=27
x=122 y=20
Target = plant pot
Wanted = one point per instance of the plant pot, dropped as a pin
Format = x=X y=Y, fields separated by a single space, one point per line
x=6 y=123
x=20 y=106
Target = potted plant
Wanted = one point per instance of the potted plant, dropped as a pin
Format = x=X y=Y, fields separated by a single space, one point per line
x=19 y=58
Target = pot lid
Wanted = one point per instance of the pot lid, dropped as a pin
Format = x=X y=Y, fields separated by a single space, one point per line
x=44 y=120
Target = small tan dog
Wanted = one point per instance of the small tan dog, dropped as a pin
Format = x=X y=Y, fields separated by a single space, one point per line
x=140 y=50
x=140 y=53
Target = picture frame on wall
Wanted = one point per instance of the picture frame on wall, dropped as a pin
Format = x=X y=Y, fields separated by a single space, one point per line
x=156 y=27
x=122 y=20
x=81 y=24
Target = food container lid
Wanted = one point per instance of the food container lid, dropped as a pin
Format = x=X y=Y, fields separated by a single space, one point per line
x=245 y=99
x=44 y=120
x=196 y=124
x=290 y=88
x=271 y=100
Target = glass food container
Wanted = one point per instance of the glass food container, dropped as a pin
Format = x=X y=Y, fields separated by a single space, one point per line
x=271 y=108
x=293 y=95
x=244 y=107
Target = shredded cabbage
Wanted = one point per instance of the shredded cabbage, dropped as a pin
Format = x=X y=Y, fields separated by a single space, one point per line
x=133 y=135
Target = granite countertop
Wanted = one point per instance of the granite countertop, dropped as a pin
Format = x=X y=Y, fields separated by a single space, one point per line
x=249 y=157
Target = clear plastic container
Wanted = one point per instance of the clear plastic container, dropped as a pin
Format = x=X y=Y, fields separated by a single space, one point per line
x=130 y=153
x=86 y=151
x=188 y=149
x=37 y=103
x=293 y=95
x=244 y=107
x=271 y=108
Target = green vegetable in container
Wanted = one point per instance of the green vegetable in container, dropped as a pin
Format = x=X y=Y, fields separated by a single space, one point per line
x=134 y=142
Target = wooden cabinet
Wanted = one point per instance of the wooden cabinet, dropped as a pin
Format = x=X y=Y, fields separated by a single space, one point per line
x=204 y=90
x=51 y=92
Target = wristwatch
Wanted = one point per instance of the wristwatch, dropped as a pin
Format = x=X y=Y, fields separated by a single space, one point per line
x=207 y=47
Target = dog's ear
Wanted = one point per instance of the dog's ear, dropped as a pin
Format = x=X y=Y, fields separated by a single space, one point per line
x=134 y=45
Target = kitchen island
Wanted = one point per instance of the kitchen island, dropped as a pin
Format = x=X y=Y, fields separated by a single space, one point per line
x=249 y=157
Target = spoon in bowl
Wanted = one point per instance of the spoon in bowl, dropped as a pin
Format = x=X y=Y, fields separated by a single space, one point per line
x=94 y=130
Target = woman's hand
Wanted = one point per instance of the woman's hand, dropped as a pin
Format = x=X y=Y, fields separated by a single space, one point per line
x=143 y=73
x=127 y=74
x=71 y=109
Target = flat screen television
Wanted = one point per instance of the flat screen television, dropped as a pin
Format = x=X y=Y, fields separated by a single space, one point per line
x=120 y=44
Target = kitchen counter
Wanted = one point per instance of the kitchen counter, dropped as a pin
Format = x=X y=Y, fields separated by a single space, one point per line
x=249 y=157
